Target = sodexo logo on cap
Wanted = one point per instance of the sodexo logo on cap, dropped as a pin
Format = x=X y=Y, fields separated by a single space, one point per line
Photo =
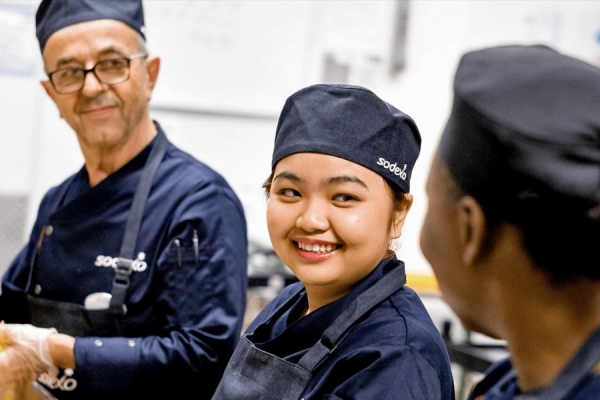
x=401 y=172
x=349 y=122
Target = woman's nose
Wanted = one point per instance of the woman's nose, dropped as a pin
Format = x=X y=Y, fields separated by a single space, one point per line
x=313 y=218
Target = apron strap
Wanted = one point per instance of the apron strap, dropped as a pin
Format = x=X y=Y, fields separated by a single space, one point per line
x=364 y=303
x=126 y=257
x=576 y=370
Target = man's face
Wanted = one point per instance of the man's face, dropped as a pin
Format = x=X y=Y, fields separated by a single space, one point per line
x=103 y=116
x=441 y=244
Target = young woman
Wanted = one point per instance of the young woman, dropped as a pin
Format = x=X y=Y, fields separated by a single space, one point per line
x=338 y=196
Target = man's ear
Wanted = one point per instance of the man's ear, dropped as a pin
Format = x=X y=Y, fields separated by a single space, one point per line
x=471 y=228
x=47 y=85
x=153 y=67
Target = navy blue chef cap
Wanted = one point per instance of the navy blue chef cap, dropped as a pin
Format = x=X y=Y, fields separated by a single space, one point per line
x=525 y=123
x=349 y=122
x=53 y=15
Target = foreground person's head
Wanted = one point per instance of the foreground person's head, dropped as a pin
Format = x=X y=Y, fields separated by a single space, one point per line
x=514 y=189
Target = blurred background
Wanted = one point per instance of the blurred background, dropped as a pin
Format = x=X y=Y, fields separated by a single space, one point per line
x=227 y=68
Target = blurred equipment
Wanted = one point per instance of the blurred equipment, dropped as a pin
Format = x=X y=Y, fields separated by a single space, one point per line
x=474 y=354
x=267 y=275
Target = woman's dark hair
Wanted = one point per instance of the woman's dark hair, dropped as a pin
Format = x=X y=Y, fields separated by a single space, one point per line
x=267 y=184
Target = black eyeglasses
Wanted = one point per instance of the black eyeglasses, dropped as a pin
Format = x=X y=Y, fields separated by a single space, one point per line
x=111 y=72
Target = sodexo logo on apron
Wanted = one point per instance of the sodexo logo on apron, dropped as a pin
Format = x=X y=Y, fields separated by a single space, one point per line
x=138 y=264
x=66 y=382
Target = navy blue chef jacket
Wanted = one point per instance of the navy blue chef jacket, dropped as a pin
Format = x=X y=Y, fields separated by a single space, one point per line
x=500 y=383
x=185 y=303
x=394 y=352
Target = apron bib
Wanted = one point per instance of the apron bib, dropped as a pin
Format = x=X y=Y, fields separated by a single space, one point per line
x=74 y=319
x=255 y=374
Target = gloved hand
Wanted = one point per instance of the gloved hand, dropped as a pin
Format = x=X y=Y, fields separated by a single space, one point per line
x=25 y=355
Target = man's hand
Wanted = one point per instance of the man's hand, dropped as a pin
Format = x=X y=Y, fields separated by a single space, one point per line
x=25 y=355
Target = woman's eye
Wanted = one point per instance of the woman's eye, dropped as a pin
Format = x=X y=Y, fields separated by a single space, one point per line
x=344 y=197
x=289 y=193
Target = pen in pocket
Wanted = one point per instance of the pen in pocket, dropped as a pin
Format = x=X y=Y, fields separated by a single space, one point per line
x=195 y=241
x=178 y=246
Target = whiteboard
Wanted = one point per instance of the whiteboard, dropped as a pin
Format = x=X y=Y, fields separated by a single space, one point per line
x=247 y=57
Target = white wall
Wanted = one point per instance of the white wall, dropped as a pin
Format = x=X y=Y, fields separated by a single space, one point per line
x=440 y=31
x=229 y=65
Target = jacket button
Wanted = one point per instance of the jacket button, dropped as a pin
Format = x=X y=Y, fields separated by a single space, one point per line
x=98 y=342
x=37 y=289
x=49 y=230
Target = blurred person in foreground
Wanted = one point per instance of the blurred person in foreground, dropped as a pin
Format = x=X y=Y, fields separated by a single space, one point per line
x=133 y=282
x=338 y=196
x=512 y=229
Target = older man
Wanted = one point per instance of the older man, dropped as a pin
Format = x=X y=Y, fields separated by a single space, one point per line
x=133 y=282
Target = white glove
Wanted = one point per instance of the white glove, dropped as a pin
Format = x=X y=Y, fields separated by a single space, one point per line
x=25 y=356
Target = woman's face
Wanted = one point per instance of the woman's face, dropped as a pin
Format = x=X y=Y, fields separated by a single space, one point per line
x=330 y=220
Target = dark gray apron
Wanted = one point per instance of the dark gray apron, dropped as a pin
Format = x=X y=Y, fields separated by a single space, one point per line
x=253 y=374
x=74 y=319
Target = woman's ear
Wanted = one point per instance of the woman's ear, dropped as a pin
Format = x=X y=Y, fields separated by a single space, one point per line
x=400 y=211
x=471 y=229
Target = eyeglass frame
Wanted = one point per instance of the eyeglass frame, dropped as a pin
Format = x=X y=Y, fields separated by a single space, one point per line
x=93 y=70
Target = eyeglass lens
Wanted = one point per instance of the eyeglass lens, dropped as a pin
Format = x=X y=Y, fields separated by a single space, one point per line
x=110 y=72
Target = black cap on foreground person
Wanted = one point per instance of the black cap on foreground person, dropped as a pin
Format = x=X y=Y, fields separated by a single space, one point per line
x=528 y=119
x=512 y=229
